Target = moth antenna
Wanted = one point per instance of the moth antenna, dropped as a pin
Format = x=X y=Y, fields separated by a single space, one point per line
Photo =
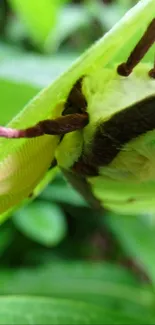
x=58 y=126
x=139 y=51
x=152 y=71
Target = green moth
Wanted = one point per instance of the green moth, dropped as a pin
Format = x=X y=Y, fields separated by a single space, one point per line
x=102 y=137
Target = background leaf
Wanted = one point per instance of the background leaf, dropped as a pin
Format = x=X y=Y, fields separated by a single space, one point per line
x=21 y=310
x=43 y=223
x=138 y=238
x=24 y=310
x=39 y=17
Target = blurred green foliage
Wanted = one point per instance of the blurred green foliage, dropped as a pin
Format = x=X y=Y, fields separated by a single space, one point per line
x=61 y=263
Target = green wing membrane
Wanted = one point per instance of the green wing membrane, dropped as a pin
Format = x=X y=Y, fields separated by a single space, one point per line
x=127 y=184
x=21 y=171
x=25 y=162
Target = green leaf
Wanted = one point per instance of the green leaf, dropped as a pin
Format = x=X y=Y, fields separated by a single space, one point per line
x=72 y=18
x=13 y=96
x=41 y=221
x=6 y=238
x=31 y=69
x=22 y=76
x=111 y=287
x=24 y=310
x=63 y=193
x=137 y=236
x=100 y=283
x=40 y=17
x=25 y=162
x=107 y=15
x=28 y=310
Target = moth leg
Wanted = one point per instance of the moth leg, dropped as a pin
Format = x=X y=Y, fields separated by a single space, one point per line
x=58 y=126
x=152 y=71
x=139 y=51
x=82 y=186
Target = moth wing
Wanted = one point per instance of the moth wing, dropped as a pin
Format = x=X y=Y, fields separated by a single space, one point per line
x=22 y=170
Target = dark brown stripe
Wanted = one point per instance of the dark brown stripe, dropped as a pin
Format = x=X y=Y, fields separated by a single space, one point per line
x=76 y=101
x=113 y=134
